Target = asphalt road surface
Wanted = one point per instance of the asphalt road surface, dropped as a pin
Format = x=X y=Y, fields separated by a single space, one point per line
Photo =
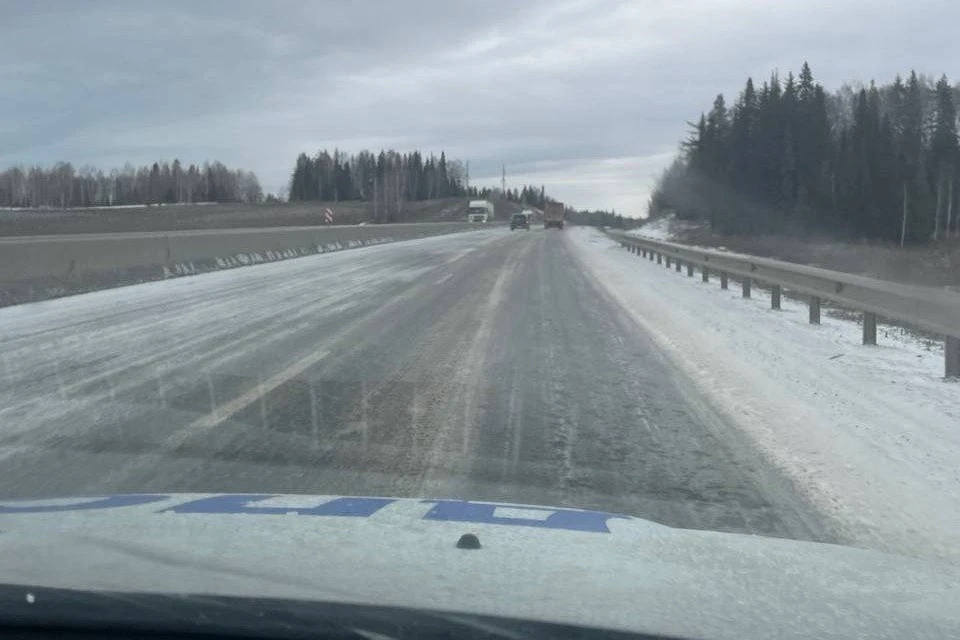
x=483 y=365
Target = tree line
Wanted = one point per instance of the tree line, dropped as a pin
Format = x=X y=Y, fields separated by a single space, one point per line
x=529 y=195
x=63 y=186
x=599 y=218
x=337 y=176
x=389 y=179
x=878 y=162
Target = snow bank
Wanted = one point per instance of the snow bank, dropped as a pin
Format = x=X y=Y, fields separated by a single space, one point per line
x=110 y=207
x=658 y=229
x=871 y=435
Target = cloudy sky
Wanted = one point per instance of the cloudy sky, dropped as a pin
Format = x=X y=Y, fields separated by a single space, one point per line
x=588 y=97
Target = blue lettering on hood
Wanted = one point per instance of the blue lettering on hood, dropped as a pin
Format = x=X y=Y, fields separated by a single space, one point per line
x=105 y=502
x=486 y=513
x=232 y=504
x=352 y=507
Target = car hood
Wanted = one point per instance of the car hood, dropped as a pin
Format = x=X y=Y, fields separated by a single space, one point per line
x=550 y=564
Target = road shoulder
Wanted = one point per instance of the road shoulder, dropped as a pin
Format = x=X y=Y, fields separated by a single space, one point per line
x=867 y=434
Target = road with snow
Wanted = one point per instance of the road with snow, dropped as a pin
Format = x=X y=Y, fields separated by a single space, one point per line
x=484 y=365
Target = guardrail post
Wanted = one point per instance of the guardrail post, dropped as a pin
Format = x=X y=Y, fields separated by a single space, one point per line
x=659 y=258
x=869 y=328
x=650 y=255
x=679 y=266
x=814 y=310
x=705 y=275
x=689 y=269
x=723 y=279
x=775 y=297
x=951 y=350
x=668 y=262
x=746 y=287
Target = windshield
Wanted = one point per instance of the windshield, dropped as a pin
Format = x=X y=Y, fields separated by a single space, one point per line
x=268 y=250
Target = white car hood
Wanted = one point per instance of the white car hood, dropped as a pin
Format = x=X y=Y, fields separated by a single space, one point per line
x=558 y=565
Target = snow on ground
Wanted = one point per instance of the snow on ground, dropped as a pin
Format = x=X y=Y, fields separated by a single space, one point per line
x=152 y=205
x=60 y=313
x=871 y=435
x=667 y=229
x=658 y=229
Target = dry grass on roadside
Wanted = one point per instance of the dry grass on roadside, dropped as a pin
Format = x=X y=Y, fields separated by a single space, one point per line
x=934 y=265
x=212 y=216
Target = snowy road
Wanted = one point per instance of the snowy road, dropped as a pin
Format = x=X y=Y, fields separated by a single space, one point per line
x=484 y=365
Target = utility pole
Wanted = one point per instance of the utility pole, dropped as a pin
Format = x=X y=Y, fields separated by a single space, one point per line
x=936 y=219
x=903 y=224
x=399 y=196
x=468 y=176
x=503 y=182
x=950 y=204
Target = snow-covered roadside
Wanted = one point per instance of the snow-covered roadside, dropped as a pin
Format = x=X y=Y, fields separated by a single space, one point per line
x=658 y=229
x=870 y=434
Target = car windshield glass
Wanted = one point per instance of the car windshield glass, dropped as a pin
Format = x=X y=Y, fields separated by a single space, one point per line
x=407 y=271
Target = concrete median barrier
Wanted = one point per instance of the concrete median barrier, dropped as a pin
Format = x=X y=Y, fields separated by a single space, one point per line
x=41 y=267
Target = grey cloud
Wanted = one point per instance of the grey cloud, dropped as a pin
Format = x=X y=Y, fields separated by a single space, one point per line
x=553 y=88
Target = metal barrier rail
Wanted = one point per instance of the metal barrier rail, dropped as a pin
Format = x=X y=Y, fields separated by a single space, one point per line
x=926 y=308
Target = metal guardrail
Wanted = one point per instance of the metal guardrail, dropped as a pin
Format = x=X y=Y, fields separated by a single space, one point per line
x=926 y=308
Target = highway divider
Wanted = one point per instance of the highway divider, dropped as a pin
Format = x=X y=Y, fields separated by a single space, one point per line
x=929 y=309
x=40 y=267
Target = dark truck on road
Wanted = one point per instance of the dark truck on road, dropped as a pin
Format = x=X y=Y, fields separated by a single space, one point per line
x=553 y=215
x=520 y=221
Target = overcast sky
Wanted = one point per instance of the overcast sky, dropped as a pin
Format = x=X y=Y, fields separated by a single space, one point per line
x=588 y=97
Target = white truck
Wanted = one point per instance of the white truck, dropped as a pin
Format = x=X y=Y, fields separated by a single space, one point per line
x=480 y=211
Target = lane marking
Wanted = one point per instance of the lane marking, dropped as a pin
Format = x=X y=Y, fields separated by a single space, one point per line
x=444 y=278
x=226 y=411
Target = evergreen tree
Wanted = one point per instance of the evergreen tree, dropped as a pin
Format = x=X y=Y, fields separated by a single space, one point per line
x=791 y=157
x=944 y=154
x=943 y=143
x=443 y=181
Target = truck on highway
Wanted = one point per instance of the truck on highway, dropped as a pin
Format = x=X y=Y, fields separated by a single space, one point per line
x=480 y=211
x=553 y=215
x=521 y=220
